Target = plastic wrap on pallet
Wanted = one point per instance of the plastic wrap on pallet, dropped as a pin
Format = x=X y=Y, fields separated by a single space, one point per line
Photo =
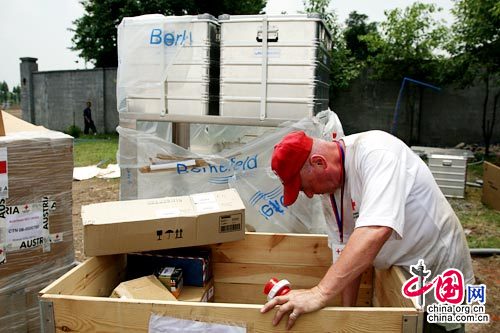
x=212 y=138
x=165 y=169
x=36 y=231
x=172 y=57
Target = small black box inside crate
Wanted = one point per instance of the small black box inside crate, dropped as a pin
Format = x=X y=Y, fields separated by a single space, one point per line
x=195 y=264
x=171 y=277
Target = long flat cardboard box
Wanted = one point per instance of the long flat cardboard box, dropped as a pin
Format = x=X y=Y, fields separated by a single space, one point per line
x=163 y=223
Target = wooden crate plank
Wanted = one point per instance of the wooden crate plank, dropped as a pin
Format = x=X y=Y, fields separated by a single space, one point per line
x=387 y=288
x=97 y=276
x=260 y=274
x=90 y=314
x=281 y=249
x=253 y=294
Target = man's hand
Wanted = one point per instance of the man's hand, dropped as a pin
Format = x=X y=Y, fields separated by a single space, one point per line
x=296 y=302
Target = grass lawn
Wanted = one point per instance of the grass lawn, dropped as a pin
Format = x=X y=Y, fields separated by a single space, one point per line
x=91 y=150
x=481 y=223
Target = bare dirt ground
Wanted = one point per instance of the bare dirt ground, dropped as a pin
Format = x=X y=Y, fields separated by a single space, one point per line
x=87 y=192
x=96 y=190
x=15 y=112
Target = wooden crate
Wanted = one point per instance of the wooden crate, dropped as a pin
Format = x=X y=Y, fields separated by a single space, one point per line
x=77 y=301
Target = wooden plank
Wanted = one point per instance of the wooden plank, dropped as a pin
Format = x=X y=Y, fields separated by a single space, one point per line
x=91 y=314
x=279 y=249
x=97 y=276
x=260 y=274
x=387 y=288
x=226 y=274
x=254 y=294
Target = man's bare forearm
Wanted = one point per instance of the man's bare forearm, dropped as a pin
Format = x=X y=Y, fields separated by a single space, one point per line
x=359 y=254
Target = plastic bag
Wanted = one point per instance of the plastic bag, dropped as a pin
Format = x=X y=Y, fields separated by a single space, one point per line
x=165 y=169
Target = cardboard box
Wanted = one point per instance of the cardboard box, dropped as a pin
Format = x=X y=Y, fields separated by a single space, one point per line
x=162 y=223
x=36 y=232
x=146 y=287
x=171 y=277
x=198 y=294
x=491 y=185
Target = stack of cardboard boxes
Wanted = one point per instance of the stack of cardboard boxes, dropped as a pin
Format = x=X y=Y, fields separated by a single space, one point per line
x=145 y=229
x=36 y=232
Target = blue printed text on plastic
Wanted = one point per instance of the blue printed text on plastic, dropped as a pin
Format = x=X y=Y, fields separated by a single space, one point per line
x=171 y=38
x=269 y=203
x=250 y=162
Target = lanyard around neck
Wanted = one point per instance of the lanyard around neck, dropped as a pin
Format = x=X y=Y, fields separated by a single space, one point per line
x=340 y=218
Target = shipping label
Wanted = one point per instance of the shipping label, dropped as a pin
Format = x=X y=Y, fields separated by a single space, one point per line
x=27 y=226
x=24 y=226
x=230 y=223
x=204 y=202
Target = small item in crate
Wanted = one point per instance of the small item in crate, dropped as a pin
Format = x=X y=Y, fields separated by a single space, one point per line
x=275 y=288
x=195 y=263
x=171 y=277
x=146 y=287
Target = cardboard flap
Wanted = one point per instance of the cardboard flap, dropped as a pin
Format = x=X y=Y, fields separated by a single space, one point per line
x=2 y=129
x=10 y=124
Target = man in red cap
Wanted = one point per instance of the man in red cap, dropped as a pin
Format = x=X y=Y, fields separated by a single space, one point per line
x=388 y=210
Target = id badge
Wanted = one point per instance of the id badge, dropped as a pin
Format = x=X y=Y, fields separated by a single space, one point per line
x=337 y=250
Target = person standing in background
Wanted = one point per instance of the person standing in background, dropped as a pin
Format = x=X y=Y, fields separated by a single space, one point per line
x=87 y=118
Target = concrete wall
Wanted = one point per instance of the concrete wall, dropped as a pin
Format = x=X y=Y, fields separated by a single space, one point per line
x=59 y=97
x=443 y=118
x=27 y=67
x=56 y=100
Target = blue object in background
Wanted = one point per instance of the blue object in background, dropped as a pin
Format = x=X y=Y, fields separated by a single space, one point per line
x=400 y=95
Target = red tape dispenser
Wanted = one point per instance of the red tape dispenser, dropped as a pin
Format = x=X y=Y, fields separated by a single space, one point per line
x=275 y=288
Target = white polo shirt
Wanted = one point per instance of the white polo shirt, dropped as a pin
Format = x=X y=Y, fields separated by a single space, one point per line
x=387 y=184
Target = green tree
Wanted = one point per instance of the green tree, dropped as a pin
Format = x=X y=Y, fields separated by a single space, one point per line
x=475 y=50
x=16 y=94
x=95 y=34
x=408 y=45
x=357 y=26
x=343 y=65
x=4 y=92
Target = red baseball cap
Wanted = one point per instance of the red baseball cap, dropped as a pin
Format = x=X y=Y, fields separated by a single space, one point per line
x=289 y=156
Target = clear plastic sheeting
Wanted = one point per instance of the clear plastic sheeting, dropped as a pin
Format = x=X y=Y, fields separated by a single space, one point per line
x=165 y=169
x=164 y=324
x=212 y=139
x=36 y=221
x=167 y=64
